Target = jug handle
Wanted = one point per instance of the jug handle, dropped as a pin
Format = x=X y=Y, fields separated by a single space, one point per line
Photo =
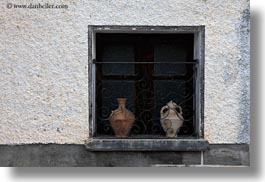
x=180 y=110
x=162 y=109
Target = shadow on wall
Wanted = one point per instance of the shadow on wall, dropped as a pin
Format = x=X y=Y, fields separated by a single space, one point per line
x=255 y=149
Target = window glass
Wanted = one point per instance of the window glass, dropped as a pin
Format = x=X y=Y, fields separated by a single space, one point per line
x=149 y=70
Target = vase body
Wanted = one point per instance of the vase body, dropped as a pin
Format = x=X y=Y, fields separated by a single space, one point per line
x=171 y=119
x=121 y=119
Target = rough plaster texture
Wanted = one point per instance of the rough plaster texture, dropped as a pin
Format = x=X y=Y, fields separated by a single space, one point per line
x=43 y=64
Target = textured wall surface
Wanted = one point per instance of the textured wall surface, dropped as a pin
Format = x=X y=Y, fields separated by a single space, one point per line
x=43 y=64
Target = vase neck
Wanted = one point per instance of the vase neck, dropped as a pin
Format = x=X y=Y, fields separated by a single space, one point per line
x=122 y=102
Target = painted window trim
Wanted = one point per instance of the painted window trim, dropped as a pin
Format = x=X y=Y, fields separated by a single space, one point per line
x=199 y=144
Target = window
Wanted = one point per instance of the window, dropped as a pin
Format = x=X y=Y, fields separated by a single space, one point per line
x=150 y=68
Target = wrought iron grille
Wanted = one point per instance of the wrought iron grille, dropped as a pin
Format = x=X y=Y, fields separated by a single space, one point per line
x=149 y=76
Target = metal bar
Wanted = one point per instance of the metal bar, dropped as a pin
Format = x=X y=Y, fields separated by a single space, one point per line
x=145 y=62
x=142 y=136
x=135 y=78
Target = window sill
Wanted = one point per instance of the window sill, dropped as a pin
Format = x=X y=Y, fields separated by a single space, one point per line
x=147 y=145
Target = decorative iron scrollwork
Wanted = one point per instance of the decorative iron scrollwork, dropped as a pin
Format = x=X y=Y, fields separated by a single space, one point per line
x=145 y=99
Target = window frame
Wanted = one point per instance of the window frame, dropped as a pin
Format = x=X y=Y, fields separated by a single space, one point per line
x=145 y=144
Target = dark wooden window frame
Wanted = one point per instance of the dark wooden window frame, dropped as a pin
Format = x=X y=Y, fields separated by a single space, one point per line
x=198 y=144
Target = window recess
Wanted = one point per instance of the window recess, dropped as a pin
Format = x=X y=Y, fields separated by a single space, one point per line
x=157 y=77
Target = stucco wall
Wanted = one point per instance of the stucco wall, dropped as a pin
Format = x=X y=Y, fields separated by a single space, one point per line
x=43 y=64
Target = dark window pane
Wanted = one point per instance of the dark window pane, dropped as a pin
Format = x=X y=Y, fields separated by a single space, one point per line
x=147 y=84
x=118 y=53
x=169 y=53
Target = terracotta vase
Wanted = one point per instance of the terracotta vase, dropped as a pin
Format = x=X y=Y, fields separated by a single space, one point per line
x=121 y=119
x=171 y=118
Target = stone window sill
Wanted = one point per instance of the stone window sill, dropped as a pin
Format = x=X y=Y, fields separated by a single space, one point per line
x=147 y=145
